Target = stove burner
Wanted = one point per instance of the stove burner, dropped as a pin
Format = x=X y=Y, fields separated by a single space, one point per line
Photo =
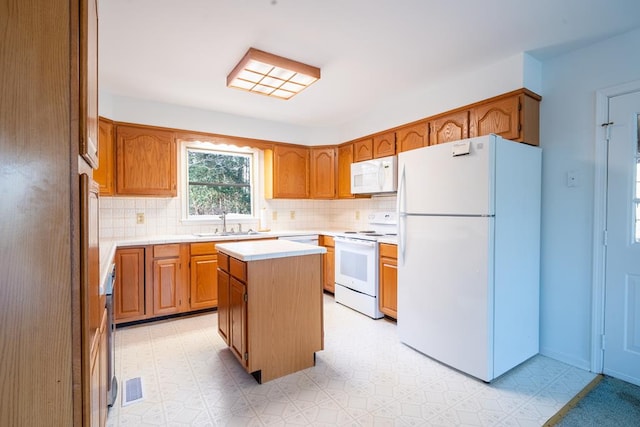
x=350 y=232
x=367 y=232
x=373 y=234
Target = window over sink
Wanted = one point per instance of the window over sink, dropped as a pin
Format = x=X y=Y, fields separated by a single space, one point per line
x=218 y=179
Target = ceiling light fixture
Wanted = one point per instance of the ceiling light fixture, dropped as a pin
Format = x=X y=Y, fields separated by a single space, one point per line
x=271 y=75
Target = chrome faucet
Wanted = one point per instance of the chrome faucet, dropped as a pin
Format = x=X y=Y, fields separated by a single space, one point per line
x=223 y=217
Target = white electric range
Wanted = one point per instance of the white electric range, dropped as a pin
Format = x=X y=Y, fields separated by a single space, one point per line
x=356 y=263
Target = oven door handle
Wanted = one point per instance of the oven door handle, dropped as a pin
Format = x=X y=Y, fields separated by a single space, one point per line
x=355 y=242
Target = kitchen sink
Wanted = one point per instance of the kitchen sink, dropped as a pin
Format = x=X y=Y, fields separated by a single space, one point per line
x=228 y=233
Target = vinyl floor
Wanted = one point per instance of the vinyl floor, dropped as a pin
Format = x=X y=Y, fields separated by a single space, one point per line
x=363 y=377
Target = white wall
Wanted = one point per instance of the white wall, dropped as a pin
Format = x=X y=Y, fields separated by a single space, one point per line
x=569 y=85
x=464 y=88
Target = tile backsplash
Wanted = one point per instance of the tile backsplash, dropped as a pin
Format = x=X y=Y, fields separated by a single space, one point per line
x=161 y=216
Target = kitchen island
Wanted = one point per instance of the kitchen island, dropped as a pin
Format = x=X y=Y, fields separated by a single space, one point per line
x=270 y=305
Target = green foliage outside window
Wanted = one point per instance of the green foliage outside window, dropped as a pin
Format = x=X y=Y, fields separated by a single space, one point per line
x=218 y=182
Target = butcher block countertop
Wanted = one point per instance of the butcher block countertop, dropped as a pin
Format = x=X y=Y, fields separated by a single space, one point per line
x=253 y=250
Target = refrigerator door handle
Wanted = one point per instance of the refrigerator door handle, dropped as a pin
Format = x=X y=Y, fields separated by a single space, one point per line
x=402 y=226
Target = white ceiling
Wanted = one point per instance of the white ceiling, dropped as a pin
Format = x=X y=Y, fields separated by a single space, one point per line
x=180 y=51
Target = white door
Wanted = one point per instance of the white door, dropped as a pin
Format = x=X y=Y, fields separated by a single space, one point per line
x=441 y=183
x=622 y=287
x=444 y=293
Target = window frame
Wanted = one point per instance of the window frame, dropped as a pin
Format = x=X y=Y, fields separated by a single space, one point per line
x=255 y=183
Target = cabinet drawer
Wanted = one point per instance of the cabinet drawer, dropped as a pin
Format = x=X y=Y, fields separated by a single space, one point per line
x=203 y=248
x=388 y=250
x=223 y=262
x=238 y=269
x=164 y=251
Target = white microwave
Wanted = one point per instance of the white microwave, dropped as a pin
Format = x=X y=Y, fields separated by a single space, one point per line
x=374 y=176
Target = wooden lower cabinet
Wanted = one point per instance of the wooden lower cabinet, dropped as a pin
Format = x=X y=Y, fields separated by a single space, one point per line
x=169 y=279
x=204 y=282
x=270 y=312
x=98 y=376
x=224 y=304
x=388 y=270
x=129 y=292
x=238 y=320
x=328 y=264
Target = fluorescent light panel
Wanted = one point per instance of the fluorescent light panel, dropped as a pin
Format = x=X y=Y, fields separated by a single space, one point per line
x=271 y=75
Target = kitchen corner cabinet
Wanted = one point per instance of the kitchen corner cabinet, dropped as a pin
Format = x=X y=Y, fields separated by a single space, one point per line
x=449 y=127
x=328 y=264
x=513 y=116
x=323 y=173
x=169 y=278
x=384 y=145
x=287 y=172
x=345 y=158
x=129 y=293
x=412 y=137
x=145 y=161
x=203 y=266
x=104 y=175
x=388 y=268
x=270 y=312
x=363 y=150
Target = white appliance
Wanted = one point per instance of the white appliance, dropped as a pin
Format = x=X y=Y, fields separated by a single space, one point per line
x=374 y=176
x=356 y=264
x=469 y=253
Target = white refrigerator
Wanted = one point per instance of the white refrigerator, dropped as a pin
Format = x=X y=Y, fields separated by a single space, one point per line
x=469 y=253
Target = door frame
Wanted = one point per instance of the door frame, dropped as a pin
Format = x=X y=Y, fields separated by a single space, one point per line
x=600 y=219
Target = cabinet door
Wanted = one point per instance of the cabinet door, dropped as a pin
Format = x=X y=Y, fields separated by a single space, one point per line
x=238 y=320
x=384 y=145
x=204 y=282
x=345 y=158
x=291 y=172
x=323 y=173
x=145 y=162
x=89 y=82
x=166 y=286
x=363 y=150
x=329 y=270
x=224 y=291
x=94 y=385
x=500 y=117
x=129 y=286
x=412 y=137
x=104 y=175
x=450 y=127
x=104 y=370
x=389 y=280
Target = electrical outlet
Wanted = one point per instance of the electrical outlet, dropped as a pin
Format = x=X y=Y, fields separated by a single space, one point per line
x=357 y=215
x=292 y=214
x=140 y=218
x=274 y=215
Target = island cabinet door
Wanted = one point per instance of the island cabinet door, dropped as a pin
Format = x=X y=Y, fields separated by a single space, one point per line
x=223 y=305
x=238 y=320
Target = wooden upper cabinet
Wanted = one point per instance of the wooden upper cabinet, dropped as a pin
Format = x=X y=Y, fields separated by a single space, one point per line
x=515 y=116
x=287 y=172
x=345 y=158
x=89 y=82
x=384 y=145
x=412 y=137
x=363 y=150
x=449 y=127
x=323 y=173
x=104 y=175
x=146 y=161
